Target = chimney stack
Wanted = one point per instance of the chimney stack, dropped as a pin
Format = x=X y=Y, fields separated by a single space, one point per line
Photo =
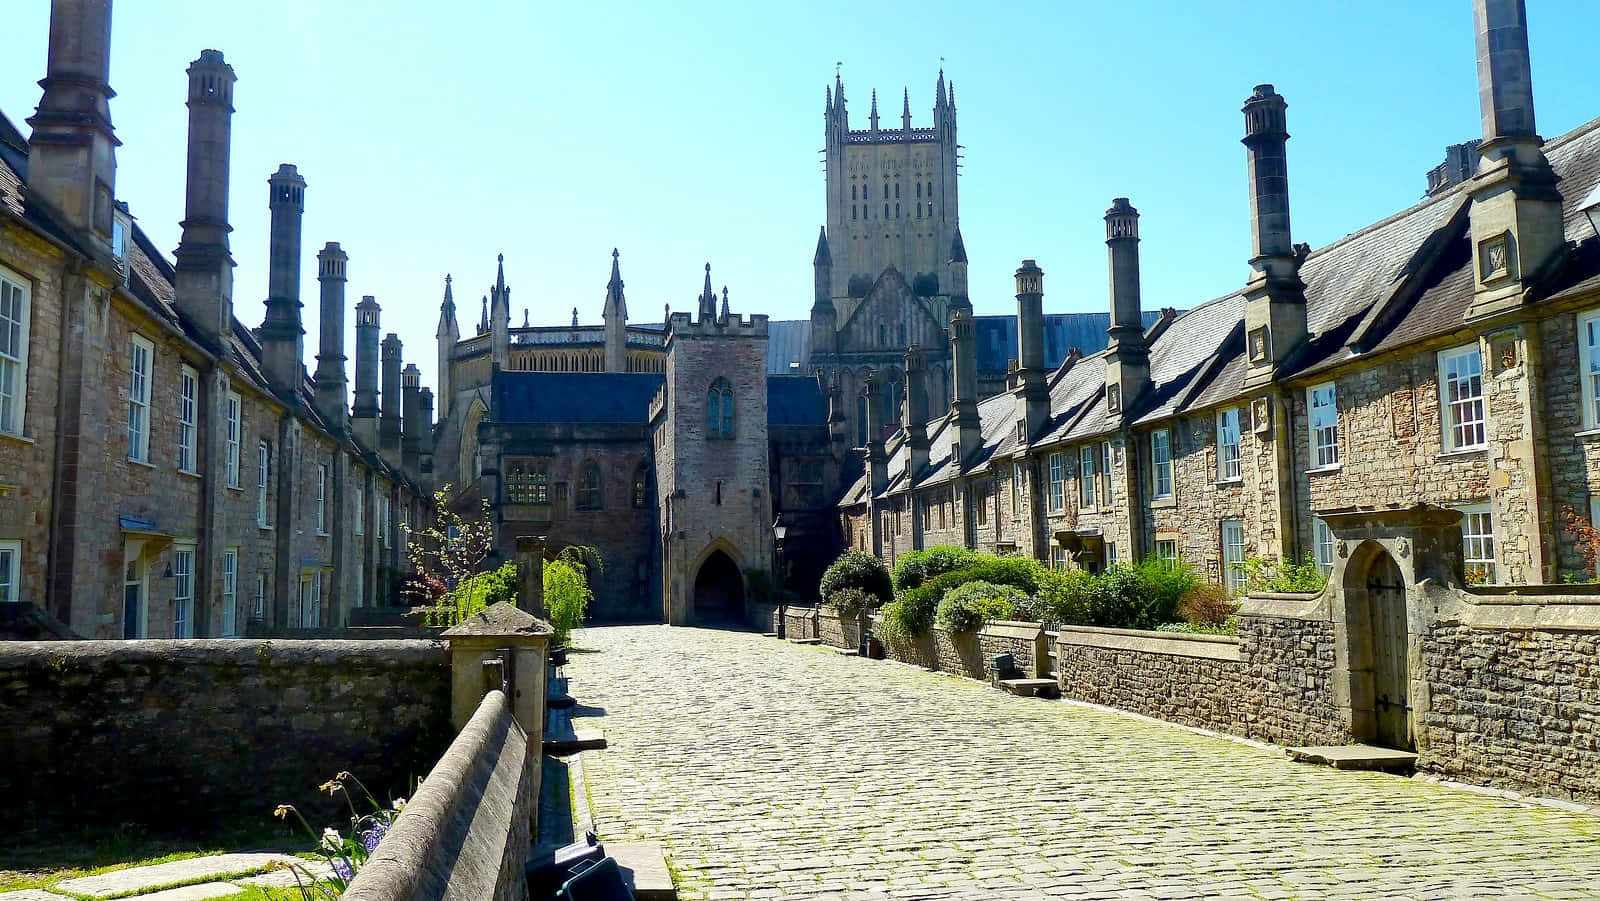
x=330 y=377
x=1033 y=406
x=877 y=461
x=1275 y=302
x=389 y=420
x=1516 y=214
x=203 y=287
x=412 y=427
x=72 y=161
x=282 y=337
x=914 y=419
x=1128 y=357
x=365 y=415
x=425 y=448
x=964 y=404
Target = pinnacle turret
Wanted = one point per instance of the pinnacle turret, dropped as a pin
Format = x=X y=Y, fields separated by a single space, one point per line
x=724 y=316
x=905 y=109
x=708 y=299
x=873 y=116
x=939 y=95
x=447 y=313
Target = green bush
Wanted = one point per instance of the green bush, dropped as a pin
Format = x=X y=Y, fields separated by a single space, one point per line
x=1229 y=626
x=911 y=614
x=967 y=607
x=473 y=594
x=851 y=603
x=855 y=569
x=1018 y=572
x=1064 y=597
x=917 y=567
x=1262 y=574
x=566 y=595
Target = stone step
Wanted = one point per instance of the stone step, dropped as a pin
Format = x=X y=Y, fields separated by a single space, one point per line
x=1027 y=688
x=562 y=736
x=644 y=868
x=805 y=641
x=847 y=652
x=1355 y=757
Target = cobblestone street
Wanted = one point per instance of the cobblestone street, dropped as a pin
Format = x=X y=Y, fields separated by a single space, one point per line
x=771 y=770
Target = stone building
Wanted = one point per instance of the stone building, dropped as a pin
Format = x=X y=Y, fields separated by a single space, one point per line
x=1412 y=401
x=164 y=470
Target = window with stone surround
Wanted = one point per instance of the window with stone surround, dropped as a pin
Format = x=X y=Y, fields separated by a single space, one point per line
x=263 y=469
x=1322 y=404
x=1461 y=397
x=383 y=522
x=1058 y=558
x=141 y=356
x=231 y=464
x=1322 y=545
x=1016 y=490
x=1229 y=467
x=359 y=526
x=1086 y=477
x=10 y=570
x=322 y=498
x=1167 y=551
x=1477 y=543
x=1058 y=478
x=1106 y=497
x=589 y=496
x=719 y=409
x=14 y=312
x=527 y=482
x=1589 y=351
x=182 y=591
x=258 y=608
x=188 y=407
x=1233 y=575
x=1161 y=463
x=230 y=589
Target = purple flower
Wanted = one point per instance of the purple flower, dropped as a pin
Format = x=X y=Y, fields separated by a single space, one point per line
x=371 y=837
x=342 y=870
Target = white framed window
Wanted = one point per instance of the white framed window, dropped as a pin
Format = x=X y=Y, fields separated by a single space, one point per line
x=235 y=431
x=10 y=570
x=383 y=521
x=315 y=613
x=1229 y=466
x=15 y=302
x=263 y=470
x=1111 y=553
x=1058 y=558
x=1016 y=490
x=1589 y=352
x=1058 y=478
x=361 y=585
x=230 y=590
x=258 y=608
x=182 y=592
x=133 y=594
x=322 y=498
x=301 y=610
x=1322 y=545
x=1167 y=551
x=1461 y=397
x=360 y=505
x=1477 y=543
x=1106 y=496
x=1086 y=477
x=188 y=407
x=1161 y=463
x=1233 y=556
x=1322 y=402
x=141 y=356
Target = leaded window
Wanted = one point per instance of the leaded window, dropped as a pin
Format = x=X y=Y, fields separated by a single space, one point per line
x=527 y=482
x=719 y=409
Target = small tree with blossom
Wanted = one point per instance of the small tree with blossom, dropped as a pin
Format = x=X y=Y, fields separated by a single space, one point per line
x=451 y=549
x=1587 y=539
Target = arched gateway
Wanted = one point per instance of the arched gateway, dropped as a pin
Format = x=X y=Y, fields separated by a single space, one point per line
x=718 y=590
x=1375 y=606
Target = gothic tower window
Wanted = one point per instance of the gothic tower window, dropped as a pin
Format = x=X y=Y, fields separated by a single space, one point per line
x=641 y=484
x=527 y=482
x=896 y=190
x=861 y=420
x=919 y=189
x=719 y=409
x=885 y=191
x=589 y=488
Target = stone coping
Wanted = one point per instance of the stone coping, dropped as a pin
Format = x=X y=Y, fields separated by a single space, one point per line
x=1171 y=644
x=1009 y=628
x=232 y=651
x=1285 y=605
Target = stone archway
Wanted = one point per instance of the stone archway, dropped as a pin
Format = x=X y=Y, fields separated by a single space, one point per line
x=1378 y=637
x=718 y=590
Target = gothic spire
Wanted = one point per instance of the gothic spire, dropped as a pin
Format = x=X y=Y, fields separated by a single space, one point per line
x=483 y=323
x=500 y=272
x=873 y=116
x=724 y=316
x=905 y=109
x=708 y=299
x=958 y=249
x=574 y=317
x=938 y=99
x=822 y=257
x=827 y=101
x=616 y=304
x=447 y=313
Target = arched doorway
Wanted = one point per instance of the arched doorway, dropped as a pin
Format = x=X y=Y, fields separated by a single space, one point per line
x=1380 y=669
x=719 y=590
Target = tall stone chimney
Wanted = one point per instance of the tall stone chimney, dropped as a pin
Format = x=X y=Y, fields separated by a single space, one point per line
x=72 y=161
x=203 y=287
x=1275 y=301
x=1516 y=208
x=426 y=442
x=1128 y=356
x=1033 y=390
x=389 y=420
x=412 y=427
x=964 y=402
x=877 y=461
x=914 y=418
x=365 y=415
x=330 y=377
x=282 y=337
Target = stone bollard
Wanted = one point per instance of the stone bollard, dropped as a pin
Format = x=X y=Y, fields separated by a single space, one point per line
x=530 y=574
x=520 y=643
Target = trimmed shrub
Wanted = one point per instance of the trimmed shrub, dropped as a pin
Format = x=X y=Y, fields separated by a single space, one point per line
x=1018 y=572
x=851 y=603
x=917 y=567
x=855 y=569
x=967 y=607
x=1064 y=597
x=1263 y=574
x=911 y=614
x=1206 y=604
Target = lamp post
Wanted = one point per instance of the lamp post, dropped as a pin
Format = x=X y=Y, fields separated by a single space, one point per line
x=778 y=531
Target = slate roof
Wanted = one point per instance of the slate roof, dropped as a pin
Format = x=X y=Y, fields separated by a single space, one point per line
x=589 y=397
x=795 y=400
x=1400 y=281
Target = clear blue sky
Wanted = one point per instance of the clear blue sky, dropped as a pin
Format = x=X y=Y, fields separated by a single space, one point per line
x=434 y=136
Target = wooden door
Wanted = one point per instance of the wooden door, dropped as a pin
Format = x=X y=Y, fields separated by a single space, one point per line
x=1391 y=670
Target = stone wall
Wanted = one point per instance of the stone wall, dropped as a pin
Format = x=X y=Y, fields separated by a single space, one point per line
x=968 y=653
x=1288 y=681
x=1196 y=680
x=1512 y=708
x=837 y=631
x=764 y=617
x=800 y=622
x=152 y=732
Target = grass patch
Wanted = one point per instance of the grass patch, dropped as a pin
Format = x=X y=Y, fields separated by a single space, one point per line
x=41 y=858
